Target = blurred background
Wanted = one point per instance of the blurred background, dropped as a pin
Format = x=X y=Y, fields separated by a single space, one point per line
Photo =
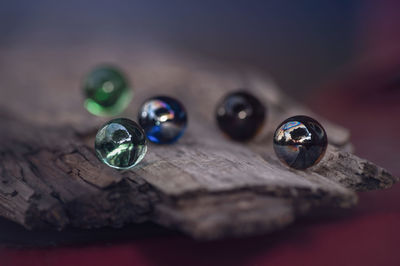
x=341 y=58
x=300 y=43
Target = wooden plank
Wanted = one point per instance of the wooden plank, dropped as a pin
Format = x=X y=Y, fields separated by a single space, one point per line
x=205 y=185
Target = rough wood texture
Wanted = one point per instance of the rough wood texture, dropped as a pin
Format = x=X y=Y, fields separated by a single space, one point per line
x=205 y=185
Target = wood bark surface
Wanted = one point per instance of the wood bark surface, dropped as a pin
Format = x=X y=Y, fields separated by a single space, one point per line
x=205 y=185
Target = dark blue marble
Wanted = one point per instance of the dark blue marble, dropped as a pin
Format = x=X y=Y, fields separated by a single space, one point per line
x=163 y=119
x=300 y=142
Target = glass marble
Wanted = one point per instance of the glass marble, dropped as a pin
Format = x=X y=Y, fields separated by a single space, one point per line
x=106 y=91
x=240 y=115
x=163 y=118
x=121 y=143
x=300 y=142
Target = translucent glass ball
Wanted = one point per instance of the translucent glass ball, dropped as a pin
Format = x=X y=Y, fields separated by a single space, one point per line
x=240 y=115
x=163 y=119
x=106 y=91
x=300 y=142
x=121 y=143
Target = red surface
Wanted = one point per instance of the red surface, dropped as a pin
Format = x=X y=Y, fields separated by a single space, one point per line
x=364 y=240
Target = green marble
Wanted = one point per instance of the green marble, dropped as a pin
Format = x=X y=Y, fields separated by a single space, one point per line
x=106 y=91
x=121 y=143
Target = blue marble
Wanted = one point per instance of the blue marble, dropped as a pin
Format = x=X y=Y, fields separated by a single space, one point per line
x=163 y=119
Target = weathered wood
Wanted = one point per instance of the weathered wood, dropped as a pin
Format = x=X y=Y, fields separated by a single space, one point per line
x=205 y=185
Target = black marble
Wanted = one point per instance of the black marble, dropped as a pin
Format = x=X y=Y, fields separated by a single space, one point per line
x=240 y=115
x=300 y=142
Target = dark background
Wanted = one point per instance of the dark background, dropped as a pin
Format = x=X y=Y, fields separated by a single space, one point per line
x=300 y=43
x=342 y=58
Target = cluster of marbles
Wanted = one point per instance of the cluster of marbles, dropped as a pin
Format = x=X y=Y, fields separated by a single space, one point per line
x=299 y=142
x=121 y=143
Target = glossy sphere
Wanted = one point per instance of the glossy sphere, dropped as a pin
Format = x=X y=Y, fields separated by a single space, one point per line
x=163 y=119
x=121 y=143
x=106 y=91
x=240 y=115
x=300 y=142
